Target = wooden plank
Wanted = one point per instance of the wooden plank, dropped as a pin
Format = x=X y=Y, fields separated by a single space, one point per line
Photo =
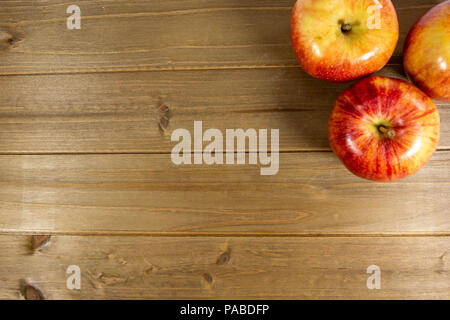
x=156 y=35
x=120 y=112
x=311 y=194
x=232 y=268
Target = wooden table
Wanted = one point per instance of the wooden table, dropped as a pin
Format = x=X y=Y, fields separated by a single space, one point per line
x=86 y=118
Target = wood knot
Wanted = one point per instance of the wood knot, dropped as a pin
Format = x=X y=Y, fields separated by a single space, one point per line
x=100 y=280
x=224 y=258
x=208 y=278
x=163 y=122
x=164 y=108
x=39 y=241
x=30 y=291
x=9 y=36
x=164 y=116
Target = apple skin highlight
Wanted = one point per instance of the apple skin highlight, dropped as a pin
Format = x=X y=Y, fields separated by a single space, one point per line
x=426 y=57
x=333 y=41
x=384 y=129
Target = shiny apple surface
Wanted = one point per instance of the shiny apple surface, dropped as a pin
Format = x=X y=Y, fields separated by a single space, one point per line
x=427 y=52
x=384 y=129
x=342 y=40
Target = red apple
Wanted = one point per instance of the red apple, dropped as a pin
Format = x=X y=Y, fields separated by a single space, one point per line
x=342 y=40
x=384 y=129
x=427 y=52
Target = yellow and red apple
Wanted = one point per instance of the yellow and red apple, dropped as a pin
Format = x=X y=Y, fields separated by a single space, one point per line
x=427 y=52
x=384 y=129
x=342 y=40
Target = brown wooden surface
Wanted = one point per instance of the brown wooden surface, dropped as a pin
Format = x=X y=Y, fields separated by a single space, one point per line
x=312 y=193
x=157 y=35
x=85 y=156
x=119 y=112
x=238 y=267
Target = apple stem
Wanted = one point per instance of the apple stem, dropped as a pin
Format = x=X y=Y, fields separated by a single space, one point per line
x=387 y=132
x=346 y=27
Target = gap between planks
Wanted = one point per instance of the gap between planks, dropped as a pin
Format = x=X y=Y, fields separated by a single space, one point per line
x=28 y=153
x=154 y=69
x=55 y=153
x=230 y=234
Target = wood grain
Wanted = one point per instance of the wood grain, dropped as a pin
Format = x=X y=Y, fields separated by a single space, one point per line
x=156 y=35
x=120 y=112
x=255 y=268
x=311 y=194
x=85 y=165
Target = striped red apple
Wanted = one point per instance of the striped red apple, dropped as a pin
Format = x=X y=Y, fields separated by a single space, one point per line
x=384 y=129
x=342 y=40
x=427 y=52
